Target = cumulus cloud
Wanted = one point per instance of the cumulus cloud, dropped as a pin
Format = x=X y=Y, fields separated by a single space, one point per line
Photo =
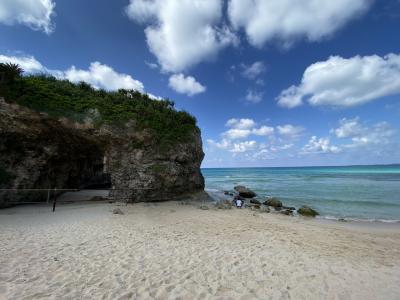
x=254 y=96
x=362 y=135
x=102 y=76
x=345 y=82
x=36 y=14
x=28 y=63
x=183 y=33
x=243 y=147
x=242 y=128
x=319 y=146
x=241 y=123
x=290 y=131
x=185 y=85
x=288 y=20
x=254 y=70
x=99 y=76
x=349 y=128
x=263 y=131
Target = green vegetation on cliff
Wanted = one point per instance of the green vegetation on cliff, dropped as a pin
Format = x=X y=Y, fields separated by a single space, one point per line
x=61 y=98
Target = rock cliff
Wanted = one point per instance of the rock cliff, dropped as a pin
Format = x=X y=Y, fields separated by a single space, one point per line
x=41 y=152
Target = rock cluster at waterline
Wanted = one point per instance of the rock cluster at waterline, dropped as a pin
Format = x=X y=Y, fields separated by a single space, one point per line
x=253 y=202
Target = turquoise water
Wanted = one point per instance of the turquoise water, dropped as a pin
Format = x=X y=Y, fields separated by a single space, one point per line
x=355 y=192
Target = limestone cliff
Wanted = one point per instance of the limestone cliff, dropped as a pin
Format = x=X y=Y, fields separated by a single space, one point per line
x=40 y=152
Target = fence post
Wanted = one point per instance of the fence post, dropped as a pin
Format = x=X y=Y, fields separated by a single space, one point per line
x=55 y=199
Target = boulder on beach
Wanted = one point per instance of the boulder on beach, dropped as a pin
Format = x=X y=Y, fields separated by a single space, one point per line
x=244 y=191
x=307 y=211
x=274 y=202
x=255 y=201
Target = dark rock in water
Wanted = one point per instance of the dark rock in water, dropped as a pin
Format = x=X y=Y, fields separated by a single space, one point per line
x=278 y=208
x=117 y=211
x=307 y=211
x=228 y=193
x=238 y=197
x=289 y=208
x=342 y=220
x=223 y=204
x=255 y=201
x=255 y=206
x=244 y=191
x=274 y=202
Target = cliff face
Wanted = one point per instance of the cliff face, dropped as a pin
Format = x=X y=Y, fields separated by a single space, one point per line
x=38 y=152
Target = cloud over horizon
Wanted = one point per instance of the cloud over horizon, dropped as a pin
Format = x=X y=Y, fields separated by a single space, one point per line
x=345 y=82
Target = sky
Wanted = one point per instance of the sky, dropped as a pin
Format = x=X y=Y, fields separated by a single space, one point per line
x=271 y=82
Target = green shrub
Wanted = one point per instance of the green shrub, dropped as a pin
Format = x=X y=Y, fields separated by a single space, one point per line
x=61 y=98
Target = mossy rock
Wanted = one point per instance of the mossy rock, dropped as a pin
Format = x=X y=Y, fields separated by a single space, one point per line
x=307 y=211
x=274 y=202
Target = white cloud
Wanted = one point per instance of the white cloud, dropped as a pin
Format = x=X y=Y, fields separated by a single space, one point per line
x=345 y=82
x=235 y=133
x=348 y=128
x=290 y=131
x=288 y=20
x=28 y=63
x=182 y=33
x=319 y=146
x=263 y=131
x=243 y=147
x=186 y=85
x=254 y=96
x=36 y=14
x=151 y=65
x=241 y=123
x=362 y=135
x=254 y=70
x=103 y=76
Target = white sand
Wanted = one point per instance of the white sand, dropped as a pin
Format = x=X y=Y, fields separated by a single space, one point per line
x=172 y=251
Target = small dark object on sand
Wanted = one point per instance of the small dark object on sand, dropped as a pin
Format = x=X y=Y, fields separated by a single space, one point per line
x=117 y=211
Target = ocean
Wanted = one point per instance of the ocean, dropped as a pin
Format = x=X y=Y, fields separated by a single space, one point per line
x=364 y=193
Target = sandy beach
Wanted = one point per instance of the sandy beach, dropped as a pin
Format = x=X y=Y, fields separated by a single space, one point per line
x=174 y=251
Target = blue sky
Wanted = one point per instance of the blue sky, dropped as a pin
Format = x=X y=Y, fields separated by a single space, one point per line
x=272 y=83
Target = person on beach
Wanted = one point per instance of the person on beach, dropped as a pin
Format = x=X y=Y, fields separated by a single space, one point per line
x=239 y=203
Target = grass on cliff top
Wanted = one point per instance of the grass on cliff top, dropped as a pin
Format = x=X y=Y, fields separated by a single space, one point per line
x=61 y=98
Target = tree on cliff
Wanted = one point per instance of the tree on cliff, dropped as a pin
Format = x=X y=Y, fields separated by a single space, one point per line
x=9 y=72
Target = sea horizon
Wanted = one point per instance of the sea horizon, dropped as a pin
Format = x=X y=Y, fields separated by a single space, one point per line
x=314 y=166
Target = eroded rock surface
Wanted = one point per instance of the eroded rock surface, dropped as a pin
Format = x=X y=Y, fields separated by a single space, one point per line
x=38 y=152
